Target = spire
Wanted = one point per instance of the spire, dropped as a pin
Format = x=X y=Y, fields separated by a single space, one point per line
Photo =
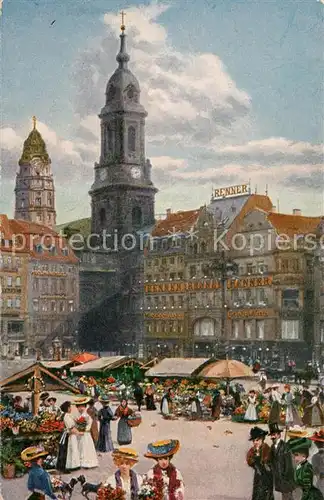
x=122 y=57
x=34 y=145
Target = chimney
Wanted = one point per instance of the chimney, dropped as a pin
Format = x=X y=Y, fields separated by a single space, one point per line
x=168 y=212
x=297 y=211
x=274 y=209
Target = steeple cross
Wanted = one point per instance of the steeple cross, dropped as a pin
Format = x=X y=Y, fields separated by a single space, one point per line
x=34 y=122
x=123 y=27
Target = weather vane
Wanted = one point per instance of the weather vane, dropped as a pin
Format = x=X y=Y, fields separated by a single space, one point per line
x=34 y=121
x=123 y=27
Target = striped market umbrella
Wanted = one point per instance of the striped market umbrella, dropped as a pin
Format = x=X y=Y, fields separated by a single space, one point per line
x=226 y=369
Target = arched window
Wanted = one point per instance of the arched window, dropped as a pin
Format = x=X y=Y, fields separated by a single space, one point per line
x=110 y=138
x=49 y=199
x=102 y=216
x=203 y=247
x=131 y=139
x=137 y=216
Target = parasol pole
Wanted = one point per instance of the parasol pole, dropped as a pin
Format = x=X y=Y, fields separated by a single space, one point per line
x=36 y=390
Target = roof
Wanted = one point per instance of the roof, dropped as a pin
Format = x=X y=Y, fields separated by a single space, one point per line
x=84 y=357
x=179 y=222
x=81 y=226
x=29 y=234
x=177 y=367
x=34 y=145
x=10 y=367
x=101 y=364
x=294 y=224
x=56 y=364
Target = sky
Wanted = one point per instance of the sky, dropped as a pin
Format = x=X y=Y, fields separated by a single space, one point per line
x=233 y=91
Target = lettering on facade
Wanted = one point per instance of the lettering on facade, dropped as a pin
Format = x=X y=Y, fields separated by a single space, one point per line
x=250 y=282
x=250 y=313
x=178 y=287
x=232 y=191
x=11 y=290
x=164 y=315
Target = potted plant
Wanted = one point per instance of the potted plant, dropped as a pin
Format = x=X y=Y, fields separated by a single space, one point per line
x=8 y=461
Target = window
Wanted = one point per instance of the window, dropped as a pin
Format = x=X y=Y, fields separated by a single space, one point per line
x=18 y=281
x=290 y=329
x=71 y=307
x=35 y=304
x=172 y=276
x=131 y=139
x=260 y=329
x=53 y=306
x=137 y=216
x=110 y=139
x=102 y=216
x=172 y=260
x=203 y=247
x=322 y=332
x=262 y=300
x=9 y=281
x=248 y=329
x=290 y=298
x=49 y=199
x=38 y=217
x=236 y=329
x=294 y=263
x=38 y=202
x=172 y=301
x=204 y=328
x=17 y=303
x=180 y=300
x=9 y=303
x=192 y=271
x=164 y=261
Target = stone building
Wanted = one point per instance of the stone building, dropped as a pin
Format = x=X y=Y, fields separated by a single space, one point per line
x=35 y=193
x=271 y=303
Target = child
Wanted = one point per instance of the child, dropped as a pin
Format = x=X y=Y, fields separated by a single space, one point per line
x=125 y=478
x=163 y=452
x=39 y=482
x=299 y=447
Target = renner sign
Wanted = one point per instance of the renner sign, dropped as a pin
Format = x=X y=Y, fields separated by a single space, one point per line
x=232 y=191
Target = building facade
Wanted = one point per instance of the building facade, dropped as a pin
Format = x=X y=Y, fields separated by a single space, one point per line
x=34 y=191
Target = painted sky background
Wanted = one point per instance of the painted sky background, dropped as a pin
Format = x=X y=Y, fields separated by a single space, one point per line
x=233 y=90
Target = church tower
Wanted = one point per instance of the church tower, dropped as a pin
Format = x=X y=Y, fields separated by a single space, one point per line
x=122 y=195
x=34 y=191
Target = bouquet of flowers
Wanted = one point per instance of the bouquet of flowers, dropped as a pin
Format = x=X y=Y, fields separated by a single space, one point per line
x=109 y=493
x=81 y=423
x=151 y=489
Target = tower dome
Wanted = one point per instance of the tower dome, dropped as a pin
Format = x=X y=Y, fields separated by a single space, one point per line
x=34 y=145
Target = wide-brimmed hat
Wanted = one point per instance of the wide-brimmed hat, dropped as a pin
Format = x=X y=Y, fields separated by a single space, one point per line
x=298 y=445
x=81 y=401
x=51 y=398
x=44 y=396
x=274 y=429
x=318 y=437
x=126 y=454
x=296 y=432
x=162 y=449
x=33 y=452
x=256 y=433
x=104 y=399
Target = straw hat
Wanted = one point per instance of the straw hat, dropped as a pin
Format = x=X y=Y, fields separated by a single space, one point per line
x=162 y=449
x=44 y=396
x=104 y=399
x=81 y=401
x=33 y=452
x=296 y=432
x=126 y=454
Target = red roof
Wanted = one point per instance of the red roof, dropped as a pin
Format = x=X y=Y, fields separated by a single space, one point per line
x=84 y=357
x=176 y=222
x=294 y=224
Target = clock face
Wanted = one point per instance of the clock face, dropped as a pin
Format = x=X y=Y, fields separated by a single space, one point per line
x=103 y=174
x=136 y=172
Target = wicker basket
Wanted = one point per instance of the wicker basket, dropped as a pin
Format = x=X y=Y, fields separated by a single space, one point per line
x=134 y=420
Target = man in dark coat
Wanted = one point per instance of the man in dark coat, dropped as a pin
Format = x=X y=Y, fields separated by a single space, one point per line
x=138 y=395
x=281 y=464
x=306 y=404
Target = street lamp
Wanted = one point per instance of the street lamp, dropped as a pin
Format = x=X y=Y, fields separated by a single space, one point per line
x=224 y=268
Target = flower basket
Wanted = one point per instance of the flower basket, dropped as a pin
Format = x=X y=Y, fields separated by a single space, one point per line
x=134 y=420
x=9 y=471
x=109 y=493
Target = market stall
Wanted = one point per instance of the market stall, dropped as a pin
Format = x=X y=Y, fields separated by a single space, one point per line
x=177 y=368
x=114 y=366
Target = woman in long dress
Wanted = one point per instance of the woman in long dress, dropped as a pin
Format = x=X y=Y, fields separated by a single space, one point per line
x=318 y=459
x=93 y=413
x=125 y=477
x=251 y=413
x=87 y=451
x=105 y=416
x=216 y=405
x=72 y=454
x=195 y=408
x=275 y=399
x=258 y=458
x=149 y=398
x=166 y=403
x=304 y=474
x=124 y=431
x=316 y=411
x=292 y=416
x=64 y=441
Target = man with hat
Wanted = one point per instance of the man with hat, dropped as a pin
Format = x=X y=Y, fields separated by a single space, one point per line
x=163 y=452
x=318 y=459
x=39 y=482
x=44 y=406
x=304 y=474
x=281 y=463
x=258 y=457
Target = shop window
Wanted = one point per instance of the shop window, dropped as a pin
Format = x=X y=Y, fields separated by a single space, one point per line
x=290 y=298
x=260 y=329
x=205 y=327
x=248 y=329
x=236 y=329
